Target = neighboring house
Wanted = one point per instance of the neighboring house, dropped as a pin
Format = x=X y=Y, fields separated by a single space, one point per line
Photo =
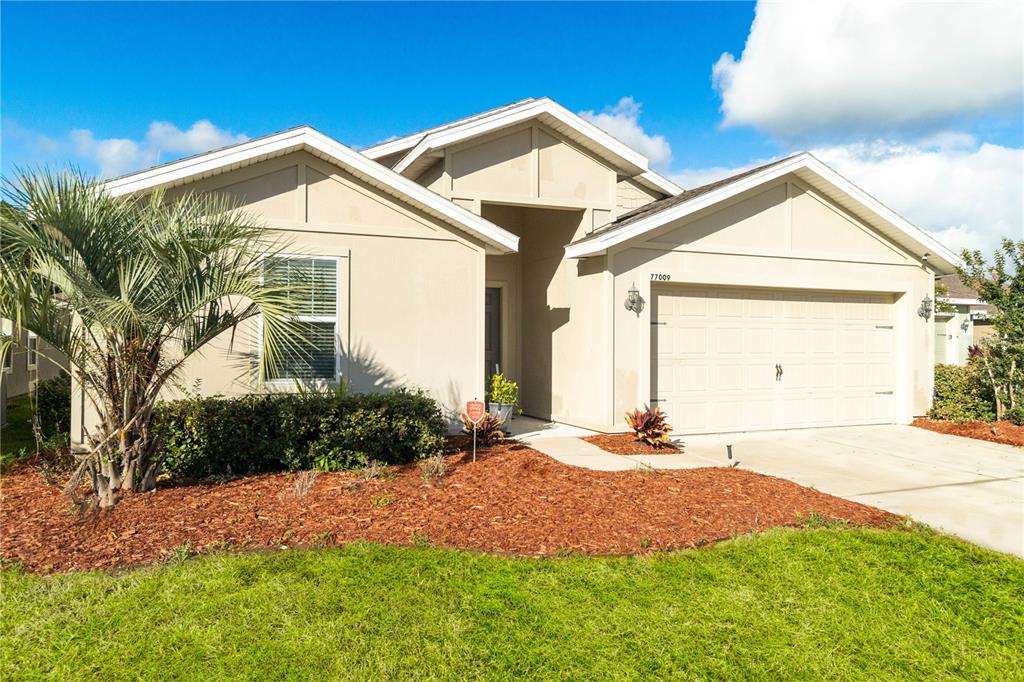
x=24 y=363
x=527 y=239
x=964 y=322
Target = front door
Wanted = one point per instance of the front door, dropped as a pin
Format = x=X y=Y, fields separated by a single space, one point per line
x=492 y=332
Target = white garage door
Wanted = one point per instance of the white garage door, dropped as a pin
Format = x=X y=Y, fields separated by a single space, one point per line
x=738 y=359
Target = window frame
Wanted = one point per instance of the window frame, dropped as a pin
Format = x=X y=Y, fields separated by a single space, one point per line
x=7 y=332
x=32 y=352
x=335 y=319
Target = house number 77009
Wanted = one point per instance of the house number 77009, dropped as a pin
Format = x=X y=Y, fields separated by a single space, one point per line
x=658 y=277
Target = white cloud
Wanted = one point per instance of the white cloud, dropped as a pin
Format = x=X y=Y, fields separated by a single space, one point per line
x=201 y=137
x=113 y=156
x=967 y=195
x=870 y=66
x=621 y=121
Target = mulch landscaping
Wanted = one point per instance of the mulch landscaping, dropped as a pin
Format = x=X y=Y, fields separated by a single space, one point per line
x=626 y=444
x=511 y=500
x=996 y=432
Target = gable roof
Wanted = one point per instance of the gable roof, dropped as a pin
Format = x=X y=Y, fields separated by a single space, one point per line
x=305 y=138
x=418 y=150
x=957 y=291
x=806 y=167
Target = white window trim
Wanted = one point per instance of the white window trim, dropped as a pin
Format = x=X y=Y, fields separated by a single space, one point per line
x=7 y=330
x=30 y=353
x=336 y=319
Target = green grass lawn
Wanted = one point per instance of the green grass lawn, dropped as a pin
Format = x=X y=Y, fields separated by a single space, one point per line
x=18 y=432
x=844 y=603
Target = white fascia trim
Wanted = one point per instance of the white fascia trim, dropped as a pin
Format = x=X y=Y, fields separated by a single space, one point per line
x=401 y=144
x=407 y=142
x=525 y=112
x=602 y=242
x=660 y=183
x=963 y=301
x=313 y=139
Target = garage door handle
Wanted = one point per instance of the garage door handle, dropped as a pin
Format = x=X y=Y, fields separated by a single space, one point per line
x=778 y=372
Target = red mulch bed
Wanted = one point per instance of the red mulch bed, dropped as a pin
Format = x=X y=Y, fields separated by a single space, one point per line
x=511 y=500
x=625 y=444
x=996 y=432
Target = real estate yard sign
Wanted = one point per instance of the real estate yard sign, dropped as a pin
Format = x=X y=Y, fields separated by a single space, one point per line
x=475 y=412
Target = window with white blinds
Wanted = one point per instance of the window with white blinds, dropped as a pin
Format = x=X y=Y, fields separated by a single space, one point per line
x=313 y=284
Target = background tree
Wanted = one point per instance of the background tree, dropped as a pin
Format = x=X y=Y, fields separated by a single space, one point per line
x=1001 y=285
x=128 y=288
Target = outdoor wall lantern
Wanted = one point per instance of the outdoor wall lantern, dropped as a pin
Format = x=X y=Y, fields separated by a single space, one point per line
x=925 y=310
x=634 y=302
x=965 y=324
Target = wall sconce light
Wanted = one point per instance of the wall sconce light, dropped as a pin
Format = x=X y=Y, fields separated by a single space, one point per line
x=925 y=309
x=965 y=324
x=634 y=302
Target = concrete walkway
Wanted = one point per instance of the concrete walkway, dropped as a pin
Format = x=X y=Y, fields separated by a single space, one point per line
x=967 y=487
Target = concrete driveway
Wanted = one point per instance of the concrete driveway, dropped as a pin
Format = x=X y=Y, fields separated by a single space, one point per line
x=966 y=487
x=970 y=488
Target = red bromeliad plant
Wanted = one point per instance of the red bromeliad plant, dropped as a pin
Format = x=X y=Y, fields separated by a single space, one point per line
x=488 y=429
x=650 y=426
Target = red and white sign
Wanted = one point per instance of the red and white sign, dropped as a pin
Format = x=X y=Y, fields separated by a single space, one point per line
x=475 y=411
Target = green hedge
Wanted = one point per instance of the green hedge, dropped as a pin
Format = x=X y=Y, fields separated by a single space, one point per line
x=202 y=437
x=961 y=394
x=53 y=404
x=1015 y=415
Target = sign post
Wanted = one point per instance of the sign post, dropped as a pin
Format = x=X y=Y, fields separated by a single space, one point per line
x=475 y=413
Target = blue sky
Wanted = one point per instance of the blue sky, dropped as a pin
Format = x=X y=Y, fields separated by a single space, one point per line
x=111 y=87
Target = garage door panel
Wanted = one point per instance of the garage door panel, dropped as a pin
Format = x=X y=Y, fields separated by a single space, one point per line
x=693 y=378
x=717 y=351
x=728 y=377
x=726 y=414
x=758 y=414
x=691 y=341
x=729 y=340
x=790 y=340
x=821 y=341
x=759 y=377
x=687 y=416
x=758 y=341
x=881 y=341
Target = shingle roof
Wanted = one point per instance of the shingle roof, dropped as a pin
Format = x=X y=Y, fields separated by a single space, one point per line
x=686 y=195
x=955 y=287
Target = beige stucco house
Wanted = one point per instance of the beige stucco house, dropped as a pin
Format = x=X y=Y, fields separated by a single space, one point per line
x=527 y=239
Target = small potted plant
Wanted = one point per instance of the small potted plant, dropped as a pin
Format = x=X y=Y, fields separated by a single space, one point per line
x=504 y=395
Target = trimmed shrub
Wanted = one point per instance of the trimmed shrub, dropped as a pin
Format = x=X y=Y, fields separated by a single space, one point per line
x=203 y=437
x=53 y=404
x=1015 y=415
x=961 y=394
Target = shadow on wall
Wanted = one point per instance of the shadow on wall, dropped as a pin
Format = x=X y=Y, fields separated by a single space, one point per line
x=365 y=372
x=359 y=366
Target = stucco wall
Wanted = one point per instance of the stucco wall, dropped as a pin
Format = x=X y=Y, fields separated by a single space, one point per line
x=556 y=318
x=556 y=327
x=783 y=235
x=49 y=364
x=410 y=294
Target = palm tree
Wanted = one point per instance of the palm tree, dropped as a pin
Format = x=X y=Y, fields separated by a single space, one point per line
x=128 y=288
